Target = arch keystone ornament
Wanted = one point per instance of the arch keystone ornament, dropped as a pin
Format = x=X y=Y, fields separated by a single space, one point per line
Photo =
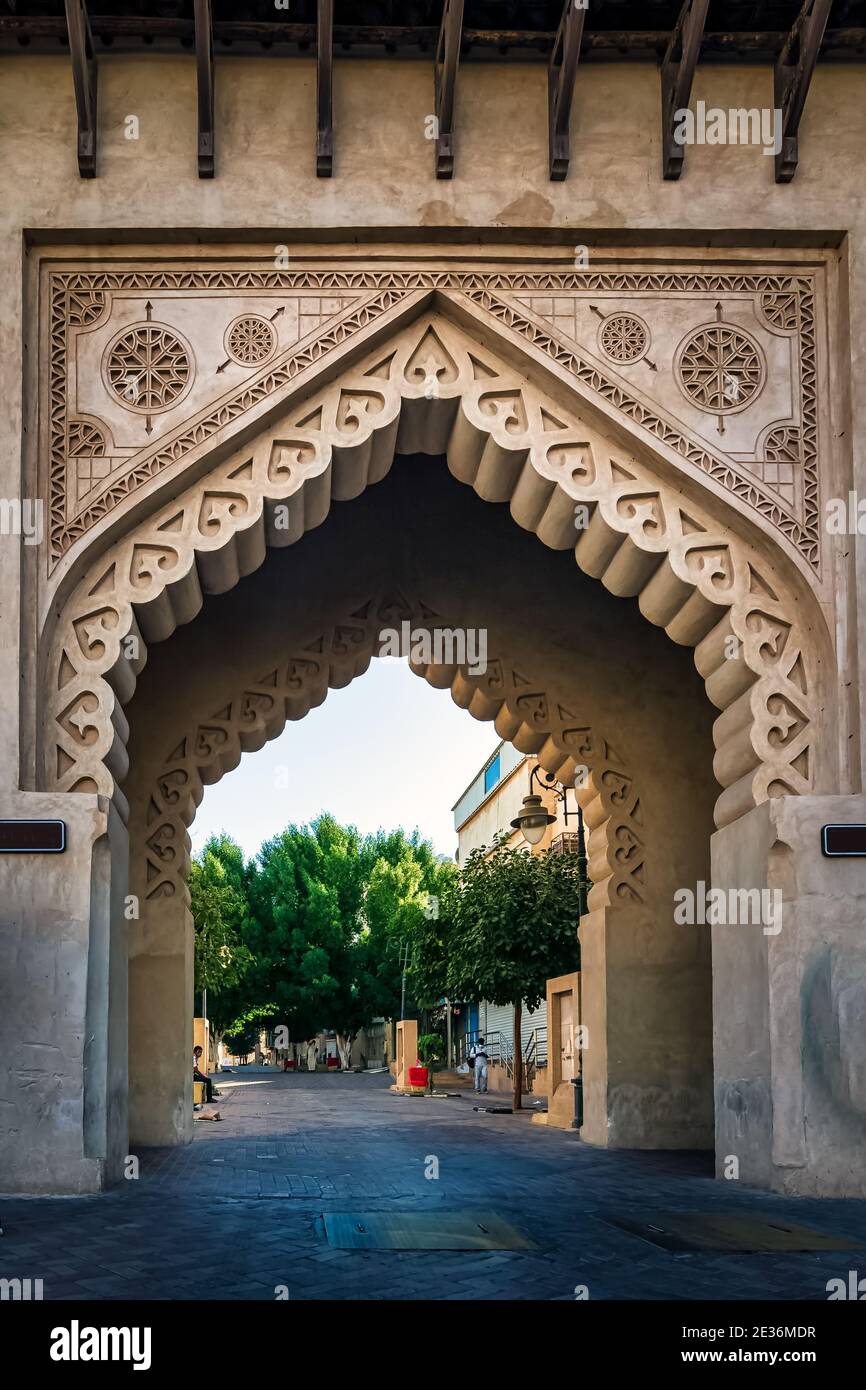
x=431 y=388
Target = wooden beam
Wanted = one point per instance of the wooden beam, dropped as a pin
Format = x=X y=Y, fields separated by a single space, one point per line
x=205 y=82
x=325 y=89
x=561 y=76
x=677 y=73
x=445 y=83
x=791 y=79
x=44 y=33
x=84 y=80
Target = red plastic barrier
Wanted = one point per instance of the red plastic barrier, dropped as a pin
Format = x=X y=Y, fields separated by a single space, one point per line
x=418 y=1076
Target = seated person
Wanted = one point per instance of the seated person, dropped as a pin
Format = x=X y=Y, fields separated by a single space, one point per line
x=198 y=1075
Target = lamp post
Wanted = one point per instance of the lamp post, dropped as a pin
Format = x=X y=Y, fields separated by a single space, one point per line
x=533 y=819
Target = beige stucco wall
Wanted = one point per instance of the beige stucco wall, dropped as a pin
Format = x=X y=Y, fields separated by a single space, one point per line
x=498 y=810
x=265 y=186
x=384 y=190
x=789 y=1005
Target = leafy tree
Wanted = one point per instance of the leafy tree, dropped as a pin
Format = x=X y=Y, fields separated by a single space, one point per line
x=322 y=915
x=218 y=908
x=508 y=924
x=242 y=1033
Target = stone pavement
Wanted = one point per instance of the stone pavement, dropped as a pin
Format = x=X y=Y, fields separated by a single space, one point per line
x=240 y=1211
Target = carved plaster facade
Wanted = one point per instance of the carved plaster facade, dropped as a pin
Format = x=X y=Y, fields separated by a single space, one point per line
x=658 y=418
x=153 y=372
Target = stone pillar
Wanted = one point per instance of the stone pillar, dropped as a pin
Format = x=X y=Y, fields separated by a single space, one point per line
x=563 y=1021
x=161 y=970
x=789 y=1001
x=407 y=1051
x=63 y=962
x=646 y=1008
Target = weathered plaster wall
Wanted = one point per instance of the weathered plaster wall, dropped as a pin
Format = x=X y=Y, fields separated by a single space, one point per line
x=63 y=1004
x=383 y=184
x=788 y=1006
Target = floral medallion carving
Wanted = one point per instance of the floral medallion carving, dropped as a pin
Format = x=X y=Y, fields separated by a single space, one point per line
x=623 y=338
x=282 y=322
x=250 y=340
x=148 y=367
x=721 y=368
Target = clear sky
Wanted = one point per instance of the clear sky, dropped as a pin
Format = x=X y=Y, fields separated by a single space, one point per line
x=387 y=751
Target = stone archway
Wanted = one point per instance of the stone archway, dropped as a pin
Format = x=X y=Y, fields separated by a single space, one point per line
x=432 y=389
x=560 y=444
x=633 y=850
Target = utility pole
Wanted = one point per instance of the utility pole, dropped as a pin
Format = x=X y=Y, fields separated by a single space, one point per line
x=403 y=990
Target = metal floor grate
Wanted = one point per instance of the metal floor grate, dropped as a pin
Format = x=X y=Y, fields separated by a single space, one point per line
x=431 y=1230
x=737 y=1232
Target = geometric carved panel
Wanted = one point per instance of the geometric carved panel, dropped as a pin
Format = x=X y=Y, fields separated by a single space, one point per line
x=720 y=367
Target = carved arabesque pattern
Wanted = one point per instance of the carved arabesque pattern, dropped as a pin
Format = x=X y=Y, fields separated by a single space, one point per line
x=85 y=438
x=720 y=368
x=250 y=340
x=148 y=368
x=535 y=720
x=623 y=338
x=787 y=301
x=510 y=443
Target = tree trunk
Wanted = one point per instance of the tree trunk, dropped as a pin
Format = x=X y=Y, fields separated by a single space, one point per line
x=344 y=1048
x=517 y=1098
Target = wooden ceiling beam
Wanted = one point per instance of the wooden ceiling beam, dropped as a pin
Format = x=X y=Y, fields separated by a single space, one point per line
x=792 y=78
x=325 y=89
x=677 y=75
x=561 y=77
x=205 y=82
x=445 y=84
x=127 y=34
x=84 y=78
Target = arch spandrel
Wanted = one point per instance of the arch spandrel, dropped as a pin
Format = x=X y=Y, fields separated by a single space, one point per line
x=523 y=710
x=720 y=381
x=432 y=388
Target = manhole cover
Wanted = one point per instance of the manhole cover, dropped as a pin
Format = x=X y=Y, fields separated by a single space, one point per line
x=750 y=1233
x=434 y=1230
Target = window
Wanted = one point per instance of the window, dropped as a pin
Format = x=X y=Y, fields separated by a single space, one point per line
x=491 y=775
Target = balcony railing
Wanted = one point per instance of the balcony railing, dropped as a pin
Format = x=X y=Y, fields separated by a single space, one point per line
x=565 y=842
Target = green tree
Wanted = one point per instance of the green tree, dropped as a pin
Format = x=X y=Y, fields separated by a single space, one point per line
x=242 y=1033
x=324 y=913
x=218 y=908
x=306 y=894
x=507 y=925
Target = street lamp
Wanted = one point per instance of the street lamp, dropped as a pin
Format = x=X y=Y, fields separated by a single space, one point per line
x=533 y=820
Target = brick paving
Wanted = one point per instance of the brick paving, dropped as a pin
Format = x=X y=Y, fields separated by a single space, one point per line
x=240 y=1211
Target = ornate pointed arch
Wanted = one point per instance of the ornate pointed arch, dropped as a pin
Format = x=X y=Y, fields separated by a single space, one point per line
x=434 y=389
x=531 y=716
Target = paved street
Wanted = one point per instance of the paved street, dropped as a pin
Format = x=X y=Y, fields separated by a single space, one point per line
x=240 y=1211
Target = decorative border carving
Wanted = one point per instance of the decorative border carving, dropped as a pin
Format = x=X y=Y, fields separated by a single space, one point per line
x=786 y=301
x=534 y=720
x=510 y=443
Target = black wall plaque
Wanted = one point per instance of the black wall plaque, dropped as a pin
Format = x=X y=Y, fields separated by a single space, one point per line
x=843 y=841
x=32 y=836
